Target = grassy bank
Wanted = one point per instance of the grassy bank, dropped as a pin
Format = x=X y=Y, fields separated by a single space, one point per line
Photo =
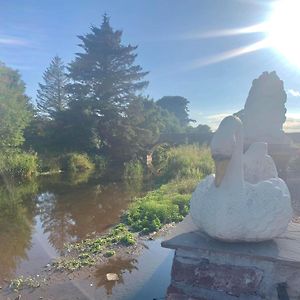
x=167 y=203
x=182 y=168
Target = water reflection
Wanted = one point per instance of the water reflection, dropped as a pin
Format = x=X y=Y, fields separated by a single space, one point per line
x=118 y=266
x=16 y=225
x=53 y=211
x=74 y=214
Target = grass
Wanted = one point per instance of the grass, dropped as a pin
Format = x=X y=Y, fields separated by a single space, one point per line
x=186 y=161
x=183 y=168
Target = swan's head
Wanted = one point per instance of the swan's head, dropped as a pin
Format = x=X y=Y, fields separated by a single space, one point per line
x=223 y=145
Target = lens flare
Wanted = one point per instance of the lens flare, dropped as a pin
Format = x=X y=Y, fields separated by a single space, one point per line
x=283 y=29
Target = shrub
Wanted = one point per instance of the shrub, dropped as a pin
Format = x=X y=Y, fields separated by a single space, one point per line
x=77 y=162
x=19 y=165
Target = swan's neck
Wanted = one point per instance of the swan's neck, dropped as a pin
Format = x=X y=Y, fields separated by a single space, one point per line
x=234 y=177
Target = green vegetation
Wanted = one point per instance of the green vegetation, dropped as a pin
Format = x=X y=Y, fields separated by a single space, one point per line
x=15 y=115
x=186 y=161
x=88 y=113
x=185 y=165
x=22 y=282
x=157 y=208
x=84 y=253
x=18 y=165
x=109 y=253
x=77 y=162
x=72 y=264
x=52 y=96
x=133 y=169
x=15 y=110
x=178 y=106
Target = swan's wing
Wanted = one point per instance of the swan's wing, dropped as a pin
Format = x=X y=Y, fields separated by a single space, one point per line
x=279 y=183
x=269 y=207
x=258 y=165
x=198 y=196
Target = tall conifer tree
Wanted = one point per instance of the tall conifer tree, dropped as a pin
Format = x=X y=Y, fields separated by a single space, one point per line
x=104 y=75
x=52 y=97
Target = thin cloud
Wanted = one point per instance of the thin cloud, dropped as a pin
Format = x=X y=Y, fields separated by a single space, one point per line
x=294 y=93
x=213 y=121
x=292 y=123
x=11 y=41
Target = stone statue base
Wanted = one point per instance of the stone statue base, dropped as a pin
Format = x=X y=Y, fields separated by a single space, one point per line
x=204 y=268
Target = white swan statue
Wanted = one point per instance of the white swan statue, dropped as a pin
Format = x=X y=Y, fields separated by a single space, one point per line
x=227 y=207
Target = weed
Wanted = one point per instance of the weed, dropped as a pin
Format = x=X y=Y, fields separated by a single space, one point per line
x=22 y=282
x=109 y=253
x=84 y=253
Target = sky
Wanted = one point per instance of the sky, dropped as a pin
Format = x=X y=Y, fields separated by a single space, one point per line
x=183 y=44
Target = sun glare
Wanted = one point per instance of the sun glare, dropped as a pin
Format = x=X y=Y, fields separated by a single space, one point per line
x=283 y=29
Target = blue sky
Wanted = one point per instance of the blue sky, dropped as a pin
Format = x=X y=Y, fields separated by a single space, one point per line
x=168 y=33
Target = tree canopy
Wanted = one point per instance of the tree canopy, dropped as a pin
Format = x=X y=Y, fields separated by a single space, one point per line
x=178 y=106
x=15 y=110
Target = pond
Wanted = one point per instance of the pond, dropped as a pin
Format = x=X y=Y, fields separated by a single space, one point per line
x=38 y=218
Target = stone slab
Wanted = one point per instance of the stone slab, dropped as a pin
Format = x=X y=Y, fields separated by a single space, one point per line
x=285 y=249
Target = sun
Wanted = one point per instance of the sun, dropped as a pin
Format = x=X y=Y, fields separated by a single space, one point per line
x=283 y=29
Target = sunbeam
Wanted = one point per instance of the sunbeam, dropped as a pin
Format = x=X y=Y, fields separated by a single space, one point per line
x=228 y=55
x=262 y=27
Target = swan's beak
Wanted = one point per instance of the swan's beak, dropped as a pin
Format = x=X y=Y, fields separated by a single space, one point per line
x=221 y=166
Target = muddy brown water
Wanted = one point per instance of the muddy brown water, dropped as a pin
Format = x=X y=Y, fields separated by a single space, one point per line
x=38 y=218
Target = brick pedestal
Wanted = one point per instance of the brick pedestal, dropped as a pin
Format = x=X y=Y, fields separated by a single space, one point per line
x=204 y=268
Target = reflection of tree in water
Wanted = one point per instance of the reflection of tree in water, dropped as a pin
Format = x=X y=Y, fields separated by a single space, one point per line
x=56 y=219
x=118 y=266
x=16 y=223
x=69 y=214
